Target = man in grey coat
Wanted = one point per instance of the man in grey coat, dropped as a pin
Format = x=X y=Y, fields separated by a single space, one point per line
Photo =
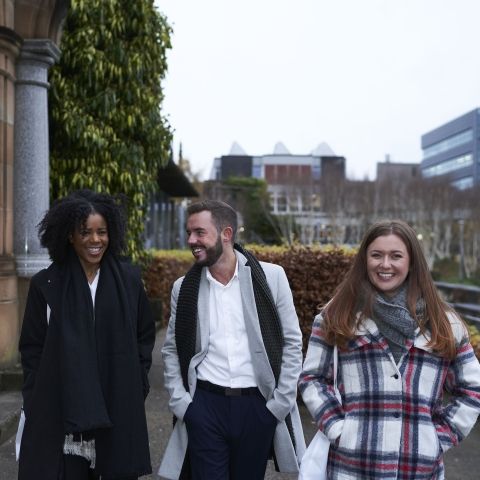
x=232 y=354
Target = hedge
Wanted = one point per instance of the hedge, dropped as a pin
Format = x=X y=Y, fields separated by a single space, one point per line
x=313 y=274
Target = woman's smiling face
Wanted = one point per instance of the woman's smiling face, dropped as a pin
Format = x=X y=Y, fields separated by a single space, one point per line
x=90 y=241
x=388 y=263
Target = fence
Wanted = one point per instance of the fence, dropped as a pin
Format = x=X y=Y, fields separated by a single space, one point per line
x=464 y=298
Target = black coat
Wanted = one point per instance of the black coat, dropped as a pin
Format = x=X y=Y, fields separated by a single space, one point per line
x=41 y=450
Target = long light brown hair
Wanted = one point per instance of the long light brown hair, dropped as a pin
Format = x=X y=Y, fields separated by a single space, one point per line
x=356 y=294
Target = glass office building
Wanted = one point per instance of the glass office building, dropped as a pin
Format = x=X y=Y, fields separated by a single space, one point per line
x=453 y=150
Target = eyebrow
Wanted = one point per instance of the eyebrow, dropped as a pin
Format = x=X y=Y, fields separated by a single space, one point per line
x=388 y=251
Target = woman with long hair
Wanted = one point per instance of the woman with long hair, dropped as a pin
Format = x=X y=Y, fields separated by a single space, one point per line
x=86 y=344
x=400 y=348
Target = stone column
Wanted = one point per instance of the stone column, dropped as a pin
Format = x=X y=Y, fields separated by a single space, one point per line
x=31 y=182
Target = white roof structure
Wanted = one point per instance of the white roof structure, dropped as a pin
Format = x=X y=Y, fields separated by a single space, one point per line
x=236 y=149
x=323 y=150
x=280 y=149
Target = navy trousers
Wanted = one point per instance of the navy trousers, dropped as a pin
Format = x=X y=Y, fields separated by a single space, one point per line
x=229 y=437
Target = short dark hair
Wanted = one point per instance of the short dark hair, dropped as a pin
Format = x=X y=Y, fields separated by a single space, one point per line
x=70 y=213
x=223 y=214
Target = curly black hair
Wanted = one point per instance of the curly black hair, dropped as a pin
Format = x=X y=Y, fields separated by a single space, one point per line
x=70 y=213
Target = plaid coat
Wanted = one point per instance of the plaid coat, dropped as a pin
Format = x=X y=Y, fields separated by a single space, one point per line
x=393 y=422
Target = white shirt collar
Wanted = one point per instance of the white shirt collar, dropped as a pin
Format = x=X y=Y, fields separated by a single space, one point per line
x=211 y=279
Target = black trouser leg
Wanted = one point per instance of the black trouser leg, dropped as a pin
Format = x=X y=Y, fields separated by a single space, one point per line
x=229 y=437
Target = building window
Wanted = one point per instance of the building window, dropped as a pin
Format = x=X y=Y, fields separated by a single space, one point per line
x=281 y=204
x=449 y=166
x=293 y=203
x=447 y=144
x=256 y=170
x=463 y=183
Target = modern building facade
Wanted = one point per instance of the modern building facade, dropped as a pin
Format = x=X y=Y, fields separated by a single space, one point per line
x=295 y=183
x=452 y=151
x=399 y=172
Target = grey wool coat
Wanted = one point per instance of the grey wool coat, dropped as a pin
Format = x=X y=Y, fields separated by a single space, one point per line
x=280 y=399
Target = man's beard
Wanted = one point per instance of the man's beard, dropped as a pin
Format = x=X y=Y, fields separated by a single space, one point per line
x=212 y=254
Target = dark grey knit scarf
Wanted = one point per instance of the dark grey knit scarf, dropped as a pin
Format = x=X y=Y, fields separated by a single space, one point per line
x=394 y=320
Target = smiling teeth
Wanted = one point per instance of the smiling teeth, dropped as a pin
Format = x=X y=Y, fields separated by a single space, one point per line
x=386 y=275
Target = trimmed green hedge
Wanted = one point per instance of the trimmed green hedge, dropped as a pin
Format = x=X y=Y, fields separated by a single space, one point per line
x=313 y=274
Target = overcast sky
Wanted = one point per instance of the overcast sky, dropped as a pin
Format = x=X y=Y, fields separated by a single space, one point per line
x=368 y=77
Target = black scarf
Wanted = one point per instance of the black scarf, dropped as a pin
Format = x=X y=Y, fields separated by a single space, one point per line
x=85 y=336
x=269 y=320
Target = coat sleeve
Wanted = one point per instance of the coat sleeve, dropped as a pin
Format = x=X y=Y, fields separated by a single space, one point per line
x=145 y=336
x=180 y=399
x=285 y=393
x=32 y=339
x=316 y=384
x=454 y=420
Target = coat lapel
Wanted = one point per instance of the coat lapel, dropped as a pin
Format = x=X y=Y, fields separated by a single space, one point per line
x=363 y=334
x=261 y=365
x=422 y=339
x=248 y=304
x=203 y=330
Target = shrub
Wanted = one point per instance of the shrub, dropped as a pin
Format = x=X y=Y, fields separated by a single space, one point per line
x=313 y=274
x=160 y=269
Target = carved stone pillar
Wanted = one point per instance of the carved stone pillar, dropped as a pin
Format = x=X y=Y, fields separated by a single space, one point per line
x=31 y=152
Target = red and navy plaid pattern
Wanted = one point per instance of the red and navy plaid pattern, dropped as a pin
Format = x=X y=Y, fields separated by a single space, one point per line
x=393 y=422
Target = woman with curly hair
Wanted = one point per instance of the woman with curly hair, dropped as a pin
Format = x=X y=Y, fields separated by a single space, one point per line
x=85 y=345
x=400 y=347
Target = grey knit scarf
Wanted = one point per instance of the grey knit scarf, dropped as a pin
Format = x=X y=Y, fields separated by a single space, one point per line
x=394 y=320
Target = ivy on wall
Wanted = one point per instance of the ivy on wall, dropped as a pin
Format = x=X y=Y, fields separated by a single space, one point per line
x=107 y=131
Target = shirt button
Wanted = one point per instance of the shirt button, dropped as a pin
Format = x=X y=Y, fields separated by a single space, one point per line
x=395 y=376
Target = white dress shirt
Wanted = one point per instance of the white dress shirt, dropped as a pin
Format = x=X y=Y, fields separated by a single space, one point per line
x=228 y=361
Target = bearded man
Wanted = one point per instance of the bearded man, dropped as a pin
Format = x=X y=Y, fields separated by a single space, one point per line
x=233 y=355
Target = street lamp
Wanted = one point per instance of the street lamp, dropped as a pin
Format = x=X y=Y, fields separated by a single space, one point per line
x=461 y=267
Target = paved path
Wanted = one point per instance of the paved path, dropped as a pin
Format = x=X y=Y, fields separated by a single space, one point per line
x=462 y=463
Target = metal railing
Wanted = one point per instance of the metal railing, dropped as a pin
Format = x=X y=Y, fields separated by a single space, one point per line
x=465 y=299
